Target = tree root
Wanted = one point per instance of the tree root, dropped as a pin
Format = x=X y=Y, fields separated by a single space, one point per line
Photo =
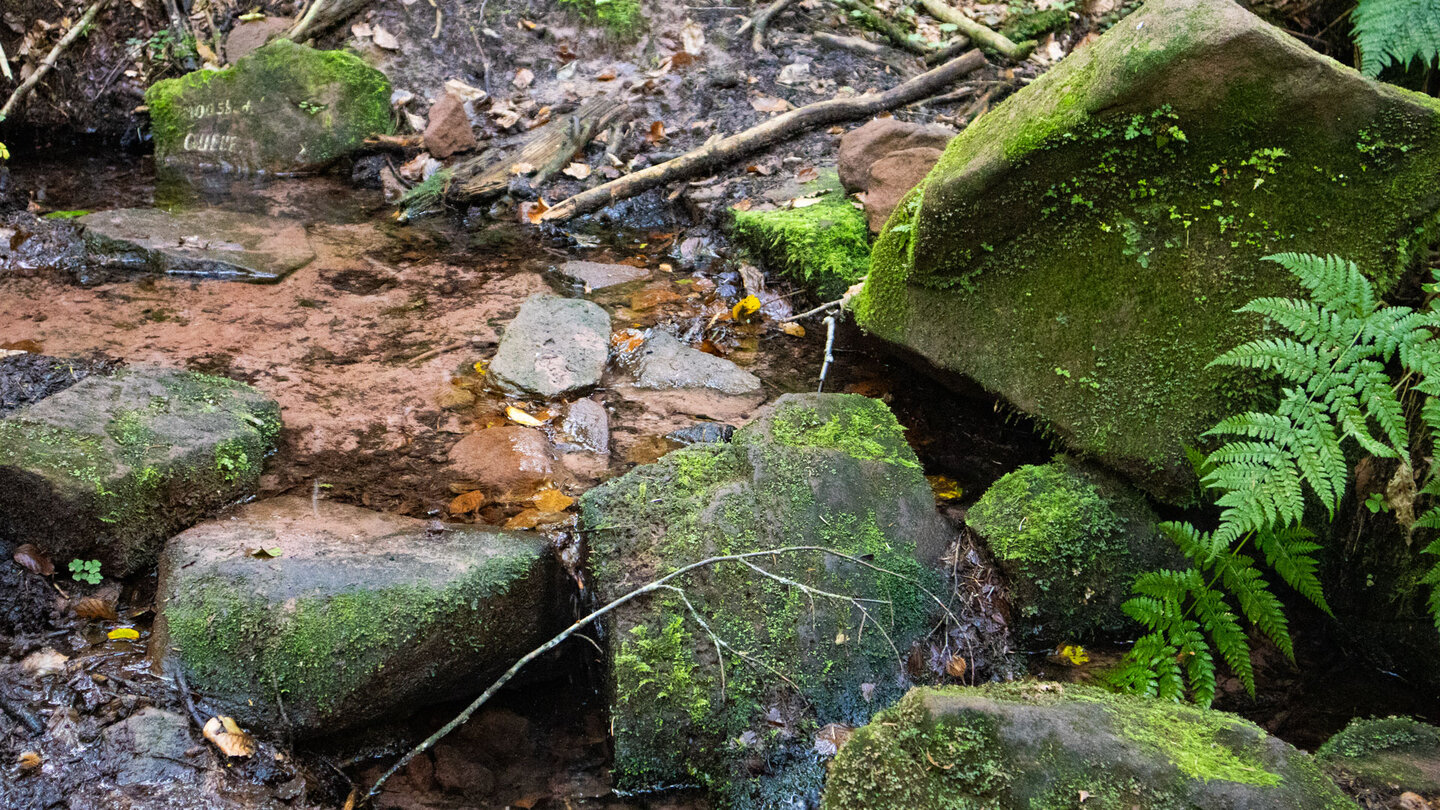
x=782 y=127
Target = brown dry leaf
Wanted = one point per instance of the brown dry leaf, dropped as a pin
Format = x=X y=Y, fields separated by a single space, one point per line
x=229 y=737
x=743 y=205
x=807 y=174
x=385 y=39
x=467 y=503
x=770 y=104
x=607 y=76
x=627 y=341
x=362 y=30
x=522 y=168
x=91 y=607
x=793 y=329
x=531 y=212
x=761 y=169
x=524 y=77
x=956 y=666
x=830 y=739
x=656 y=133
x=835 y=131
x=33 y=560
x=553 y=500
x=29 y=760
x=579 y=171
x=528 y=801
x=206 y=54
x=32 y=346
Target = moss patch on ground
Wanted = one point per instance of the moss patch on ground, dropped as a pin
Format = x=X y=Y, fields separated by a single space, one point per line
x=1081 y=248
x=842 y=478
x=623 y=18
x=1048 y=746
x=824 y=247
x=1384 y=755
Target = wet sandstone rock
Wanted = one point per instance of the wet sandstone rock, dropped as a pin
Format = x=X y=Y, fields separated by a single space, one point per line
x=206 y=243
x=553 y=347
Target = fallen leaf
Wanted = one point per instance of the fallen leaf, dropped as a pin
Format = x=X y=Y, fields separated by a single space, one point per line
x=29 y=761
x=761 y=169
x=656 y=133
x=362 y=30
x=528 y=801
x=531 y=518
x=956 y=666
x=23 y=346
x=44 y=662
x=123 y=634
x=769 y=104
x=1073 y=654
x=807 y=174
x=468 y=502
x=553 y=500
x=945 y=488
x=206 y=54
x=840 y=637
x=520 y=417
x=1084 y=794
x=794 y=73
x=867 y=691
x=385 y=39
x=33 y=560
x=524 y=77
x=692 y=38
x=830 y=739
x=607 y=76
x=804 y=202
x=532 y=211
x=744 y=308
x=228 y=737
x=91 y=607
x=626 y=341
x=267 y=553
x=579 y=171
x=463 y=91
x=793 y=329
x=522 y=168
x=743 y=205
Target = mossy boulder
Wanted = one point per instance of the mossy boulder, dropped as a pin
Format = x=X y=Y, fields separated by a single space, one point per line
x=824 y=247
x=1081 y=248
x=1032 y=746
x=1379 y=758
x=284 y=108
x=828 y=470
x=110 y=467
x=309 y=618
x=1071 y=539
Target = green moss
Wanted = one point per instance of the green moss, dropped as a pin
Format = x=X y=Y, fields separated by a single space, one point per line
x=1192 y=739
x=1081 y=248
x=865 y=430
x=1033 y=24
x=623 y=18
x=825 y=246
x=1364 y=736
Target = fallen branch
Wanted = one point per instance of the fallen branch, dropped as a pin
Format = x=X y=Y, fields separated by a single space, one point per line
x=323 y=15
x=706 y=159
x=396 y=142
x=5 y=65
x=51 y=58
x=871 y=18
x=981 y=35
x=902 y=62
x=545 y=152
x=655 y=585
x=760 y=21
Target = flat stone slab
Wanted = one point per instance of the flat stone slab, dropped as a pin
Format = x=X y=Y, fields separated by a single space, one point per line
x=282 y=109
x=339 y=615
x=113 y=465
x=664 y=364
x=553 y=347
x=207 y=243
x=599 y=275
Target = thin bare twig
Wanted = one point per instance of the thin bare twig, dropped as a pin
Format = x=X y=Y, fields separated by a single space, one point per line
x=760 y=21
x=49 y=62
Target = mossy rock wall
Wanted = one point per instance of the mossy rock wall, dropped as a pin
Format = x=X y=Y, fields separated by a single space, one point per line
x=357 y=616
x=1380 y=757
x=824 y=247
x=285 y=108
x=1081 y=249
x=1071 y=539
x=1033 y=746
x=829 y=470
x=112 y=466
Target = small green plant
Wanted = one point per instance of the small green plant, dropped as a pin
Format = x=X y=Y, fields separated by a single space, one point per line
x=1333 y=361
x=85 y=571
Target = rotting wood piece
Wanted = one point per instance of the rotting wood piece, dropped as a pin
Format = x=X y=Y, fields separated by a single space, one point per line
x=979 y=34
x=708 y=158
x=324 y=15
x=547 y=151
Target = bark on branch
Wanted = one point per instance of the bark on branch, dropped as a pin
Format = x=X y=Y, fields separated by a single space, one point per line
x=979 y=34
x=707 y=158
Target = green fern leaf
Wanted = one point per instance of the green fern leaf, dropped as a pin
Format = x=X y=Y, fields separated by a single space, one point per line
x=1289 y=551
x=1396 y=32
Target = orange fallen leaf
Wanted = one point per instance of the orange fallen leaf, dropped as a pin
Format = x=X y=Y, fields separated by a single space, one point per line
x=656 y=133
x=469 y=502
x=227 y=735
x=532 y=211
x=956 y=666
x=29 y=761
x=793 y=329
x=607 y=76
x=553 y=500
x=807 y=174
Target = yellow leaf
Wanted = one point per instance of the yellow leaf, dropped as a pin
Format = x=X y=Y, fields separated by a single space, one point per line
x=480 y=367
x=29 y=761
x=1075 y=654
x=945 y=488
x=553 y=500
x=840 y=637
x=126 y=633
x=227 y=735
x=520 y=417
x=793 y=329
x=468 y=502
x=745 y=307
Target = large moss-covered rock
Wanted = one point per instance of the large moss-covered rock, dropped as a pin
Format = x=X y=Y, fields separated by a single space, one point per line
x=111 y=466
x=1081 y=248
x=1071 y=540
x=1378 y=758
x=1049 y=746
x=313 y=617
x=826 y=470
x=283 y=108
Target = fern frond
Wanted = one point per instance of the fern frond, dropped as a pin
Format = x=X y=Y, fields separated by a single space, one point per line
x=1292 y=359
x=1289 y=551
x=1260 y=607
x=1229 y=637
x=1337 y=283
x=1396 y=32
